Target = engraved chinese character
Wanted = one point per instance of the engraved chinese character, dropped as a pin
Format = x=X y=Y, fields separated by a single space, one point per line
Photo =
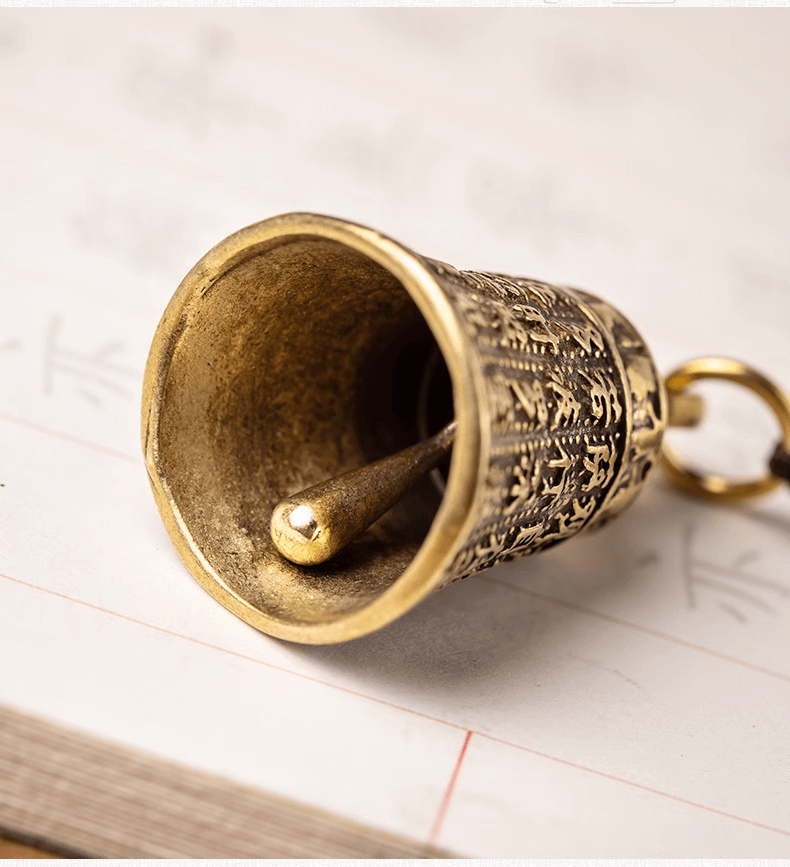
x=559 y=484
x=600 y=465
x=568 y=408
x=604 y=397
x=531 y=399
x=525 y=484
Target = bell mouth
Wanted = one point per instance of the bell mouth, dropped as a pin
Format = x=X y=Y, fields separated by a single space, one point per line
x=297 y=349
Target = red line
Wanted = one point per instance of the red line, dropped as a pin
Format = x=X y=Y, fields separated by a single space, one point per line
x=439 y=820
x=636 y=785
x=573 y=607
x=229 y=652
x=543 y=597
x=65 y=436
x=445 y=802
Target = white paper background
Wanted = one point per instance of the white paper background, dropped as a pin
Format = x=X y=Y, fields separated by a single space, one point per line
x=628 y=694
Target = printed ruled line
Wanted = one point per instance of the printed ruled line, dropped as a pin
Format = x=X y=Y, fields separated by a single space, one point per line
x=469 y=732
x=646 y=629
x=229 y=652
x=485 y=578
x=68 y=437
x=443 y=807
x=636 y=785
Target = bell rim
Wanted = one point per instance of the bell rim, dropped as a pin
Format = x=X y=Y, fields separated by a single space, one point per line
x=455 y=516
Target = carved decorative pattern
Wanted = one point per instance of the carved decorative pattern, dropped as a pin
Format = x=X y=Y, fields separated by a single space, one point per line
x=576 y=407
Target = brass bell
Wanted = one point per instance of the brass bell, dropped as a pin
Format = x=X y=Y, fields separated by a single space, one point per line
x=305 y=347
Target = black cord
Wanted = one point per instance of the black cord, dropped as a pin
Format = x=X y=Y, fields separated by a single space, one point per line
x=780 y=463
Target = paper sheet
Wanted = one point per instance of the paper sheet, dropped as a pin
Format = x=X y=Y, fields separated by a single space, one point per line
x=626 y=694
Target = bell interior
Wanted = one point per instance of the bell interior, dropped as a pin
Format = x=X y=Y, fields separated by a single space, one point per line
x=303 y=361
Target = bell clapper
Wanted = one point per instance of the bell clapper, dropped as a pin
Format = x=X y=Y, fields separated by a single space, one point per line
x=311 y=526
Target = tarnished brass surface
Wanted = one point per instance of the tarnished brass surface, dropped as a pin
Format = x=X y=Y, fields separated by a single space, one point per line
x=684 y=409
x=303 y=347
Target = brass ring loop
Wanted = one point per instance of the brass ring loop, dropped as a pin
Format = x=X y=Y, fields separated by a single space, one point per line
x=708 y=485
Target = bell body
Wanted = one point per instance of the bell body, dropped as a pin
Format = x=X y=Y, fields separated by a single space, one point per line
x=305 y=346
